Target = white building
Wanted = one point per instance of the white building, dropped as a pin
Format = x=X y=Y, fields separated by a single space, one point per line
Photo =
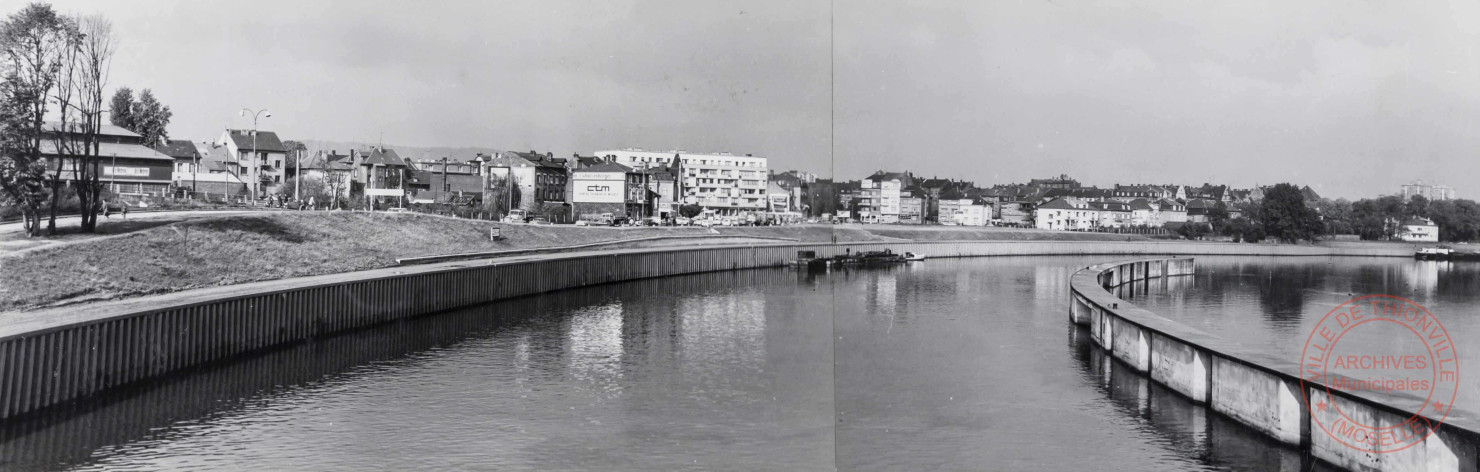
x=259 y=154
x=723 y=182
x=1143 y=213
x=887 y=185
x=1112 y=214
x=1431 y=192
x=1421 y=230
x=949 y=210
x=973 y=215
x=1066 y=214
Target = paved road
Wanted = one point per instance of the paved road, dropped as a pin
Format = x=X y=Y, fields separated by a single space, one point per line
x=72 y=221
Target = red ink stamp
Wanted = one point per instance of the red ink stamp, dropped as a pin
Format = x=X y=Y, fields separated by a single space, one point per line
x=1389 y=350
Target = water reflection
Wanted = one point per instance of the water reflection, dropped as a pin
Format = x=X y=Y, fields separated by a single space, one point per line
x=1272 y=303
x=603 y=360
x=1211 y=438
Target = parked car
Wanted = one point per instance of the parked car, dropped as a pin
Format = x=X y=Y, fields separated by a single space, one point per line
x=683 y=221
x=621 y=221
x=539 y=221
x=516 y=216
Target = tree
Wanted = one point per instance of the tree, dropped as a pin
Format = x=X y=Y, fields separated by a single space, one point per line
x=145 y=116
x=152 y=119
x=121 y=109
x=1243 y=229
x=1192 y=230
x=690 y=210
x=33 y=42
x=1380 y=218
x=1458 y=220
x=501 y=195
x=1417 y=207
x=1336 y=216
x=97 y=47
x=1218 y=218
x=1285 y=215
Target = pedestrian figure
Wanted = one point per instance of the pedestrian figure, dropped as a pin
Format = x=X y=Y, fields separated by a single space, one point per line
x=125 y=212
x=311 y=203
x=107 y=210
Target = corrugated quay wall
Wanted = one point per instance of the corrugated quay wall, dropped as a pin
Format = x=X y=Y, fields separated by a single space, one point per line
x=54 y=356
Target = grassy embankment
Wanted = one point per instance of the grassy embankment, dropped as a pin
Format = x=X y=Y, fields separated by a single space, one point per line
x=235 y=249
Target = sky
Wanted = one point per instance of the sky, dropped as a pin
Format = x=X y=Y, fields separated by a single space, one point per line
x=1351 y=98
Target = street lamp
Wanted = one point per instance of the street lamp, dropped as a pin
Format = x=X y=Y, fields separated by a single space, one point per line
x=263 y=113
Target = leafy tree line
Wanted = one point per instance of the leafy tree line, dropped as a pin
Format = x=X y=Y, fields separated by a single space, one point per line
x=1285 y=215
x=1383 y=217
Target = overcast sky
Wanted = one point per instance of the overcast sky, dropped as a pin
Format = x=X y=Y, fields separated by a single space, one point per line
x=1352 y=98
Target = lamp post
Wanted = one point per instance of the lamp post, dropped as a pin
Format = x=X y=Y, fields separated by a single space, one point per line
x=263 y=113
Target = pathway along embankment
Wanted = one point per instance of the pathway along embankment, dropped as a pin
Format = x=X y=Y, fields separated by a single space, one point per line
x=51 y=357
x=1250 y=387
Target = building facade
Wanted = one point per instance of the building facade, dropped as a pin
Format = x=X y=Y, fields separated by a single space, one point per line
x=608 y=188
x=260 y=156
x=125 y=165
x=1420 y=230
x=537 y=181
x=1066 y=214
x=1430 y=191
x=725 y=183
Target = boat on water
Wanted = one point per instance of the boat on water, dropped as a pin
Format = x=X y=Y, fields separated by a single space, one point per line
x=912 y=257
x=809 y=259
x=1442 y=253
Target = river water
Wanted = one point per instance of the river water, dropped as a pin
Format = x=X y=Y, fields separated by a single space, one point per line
x=950 y=364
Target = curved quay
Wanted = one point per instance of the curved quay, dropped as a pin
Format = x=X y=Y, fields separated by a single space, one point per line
x=1254 y=389
x=52 y=357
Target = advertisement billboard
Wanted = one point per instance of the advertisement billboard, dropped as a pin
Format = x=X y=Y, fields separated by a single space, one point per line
x=592 y=187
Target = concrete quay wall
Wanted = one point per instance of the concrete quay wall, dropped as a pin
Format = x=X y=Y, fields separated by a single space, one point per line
x=54 y=356
x=1254 y=389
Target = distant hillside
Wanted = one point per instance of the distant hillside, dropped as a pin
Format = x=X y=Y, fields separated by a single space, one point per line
x=413 y=152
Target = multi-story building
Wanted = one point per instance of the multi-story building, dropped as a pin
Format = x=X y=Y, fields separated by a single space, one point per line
x=1431 y=192
x=1143 y=212
x=726 y=183
x=608 y=188
x=537 y=182
x=880 y=194
x=666 y=195
x=1419 y=230
x=912 y=208
x=1112 y=214
x=1060 y=182
x=1066 y=214
x=1126 y=193
x=1170 y=211
x=260 y=156
x=126 y=165
x=445 y=180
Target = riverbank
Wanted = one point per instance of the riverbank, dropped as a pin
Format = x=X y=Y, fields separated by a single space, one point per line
x=113 y=343
x=197 y=251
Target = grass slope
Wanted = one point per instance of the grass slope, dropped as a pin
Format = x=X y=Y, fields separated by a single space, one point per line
x=244 y=248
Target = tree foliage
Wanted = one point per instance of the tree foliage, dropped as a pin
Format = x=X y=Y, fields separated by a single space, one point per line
x=690 y=210
x=34 y=42
x=1286 y=217
x=145 y=116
